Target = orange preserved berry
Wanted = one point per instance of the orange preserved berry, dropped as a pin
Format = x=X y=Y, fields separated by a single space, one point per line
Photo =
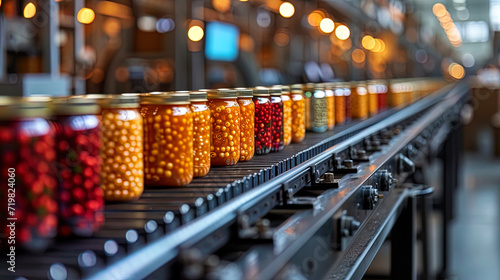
x=201 y=133
x=168 y=139
x=247 y=123
x=298 y=114
x=287 y=114
x=330 y=106
x=373 y=97
x=225 y=119
x=340 y=103
x=122 y=150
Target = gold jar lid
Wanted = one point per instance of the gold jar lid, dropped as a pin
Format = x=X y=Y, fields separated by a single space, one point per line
x=165 y=98
x=24 y=107
x=319 y=86
x=261 y=91
x=74 y=106
x=120 y=101
x=222 y=93
x=198 y=96
x=296 y=87
x=244 y=92
x=275 y=91
x=285 y=89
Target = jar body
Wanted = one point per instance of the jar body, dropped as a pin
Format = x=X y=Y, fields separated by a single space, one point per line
x=330 y=109
x=225 y=119
x=168 y=145
x=340 y=109
x=263 y=125
x=359 y=101
x=318 y=112
x=277 y=124
x=373 y=103
x=122 y=154
x=81 y=197
x=382 y=98
x=308 y=93
x=247 y=128
x=348 y=104
x=27 y=156
x=201 y=138
x=287 y=118
x=298 y=117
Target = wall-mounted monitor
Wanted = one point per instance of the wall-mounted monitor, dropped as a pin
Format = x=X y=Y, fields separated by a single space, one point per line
x=222 y=41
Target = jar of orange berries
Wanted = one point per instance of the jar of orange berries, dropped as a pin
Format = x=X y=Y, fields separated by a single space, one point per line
x=298 y=113
x=287 y=114
x=168 y=139
x=247 y=123
x=122 y=151
x=225 y=119
x=201 y=133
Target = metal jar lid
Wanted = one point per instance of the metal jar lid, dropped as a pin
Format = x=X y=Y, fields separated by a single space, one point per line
x=296 y=87
x=113 y=100
x=261 y=91
x=24 y=107
x=222 y=93
x=74 y=106
x=285 y=89
x=244 y=92
x=198 y=96
x=165 y=98
x=275 y=91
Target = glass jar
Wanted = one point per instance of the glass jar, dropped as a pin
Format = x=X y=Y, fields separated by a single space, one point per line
x=318 y=110
x=78 y=167
x=263 y=120
x=330 y=106
x=168 y=139
x=278 y=142
x=373 y=97
x=382 y=96
x=395 y=94
x=340 y=99
x=225 y=119
x=122 y=150
x=359 y=100
x=308 y=91
x=287 y=114
x=247 y=123
x=298 y=114
x=29 y=187
x=201 y=133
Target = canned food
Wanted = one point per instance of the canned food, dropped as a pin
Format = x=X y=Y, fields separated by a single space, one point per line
x=359 y=100
x=330 y=106
x=263 y=120
x=287 y=114
x=340 y=103
x=201 y=133
x=247 y=124
x=298 y=114
x=318 y=109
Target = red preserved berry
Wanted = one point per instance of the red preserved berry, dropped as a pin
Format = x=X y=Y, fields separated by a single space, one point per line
x=263 y=121
x=277 y=123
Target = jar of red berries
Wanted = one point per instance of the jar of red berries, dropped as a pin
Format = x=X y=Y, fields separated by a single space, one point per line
x=29 y=188
x=278 y=142
x=263 y=120
x=78 y=165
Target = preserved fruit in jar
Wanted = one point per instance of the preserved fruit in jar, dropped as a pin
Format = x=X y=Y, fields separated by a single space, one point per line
x=340 y=104
x=287 y=114
x=247 y=123
x=373 y=97
x=277 y=120
x=201 y=133
x=122 y=150
x=308 y=91
x=168 y=139
x=29 y=189
x=78 y=146
x=359 y=101
x=263 y=120
x=318 y=110
x=330 y=106
x=348 y=103
x=298 y=114
x=225 y=119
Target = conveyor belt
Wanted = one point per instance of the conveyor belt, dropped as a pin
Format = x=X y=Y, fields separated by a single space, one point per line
x=160 y=211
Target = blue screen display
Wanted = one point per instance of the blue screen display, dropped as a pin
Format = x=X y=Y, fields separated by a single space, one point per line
x=221 y=42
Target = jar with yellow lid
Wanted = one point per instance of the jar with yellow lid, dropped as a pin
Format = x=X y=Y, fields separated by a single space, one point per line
x=122 y=150
x=318 y=109
x=340 y=103
x=330 y=106
x=287 y=114
x=29 y=185
x=78 y=165
x=225 y=119
x=277 y=131
x=263 y=120
x=247 y=123
x=201 y=133
x=359 y=100
x=168 y=139
x=298 y=114
x=373 y=97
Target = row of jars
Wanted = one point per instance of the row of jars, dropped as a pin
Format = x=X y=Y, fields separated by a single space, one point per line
x=68 y=155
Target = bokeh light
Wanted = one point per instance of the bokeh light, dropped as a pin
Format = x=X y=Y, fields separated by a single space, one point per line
x=456 y=71
x=85 y=16
x=327 y=25
x=195 y=33
x=314 y=18
x=358 y=56
x=342 y=32
x=287 y=10
x=368 y=42
x=29 y=10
